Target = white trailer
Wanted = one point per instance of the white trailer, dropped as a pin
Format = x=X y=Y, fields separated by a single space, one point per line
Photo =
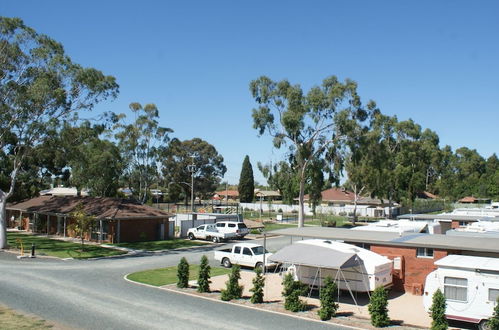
x=470 y=285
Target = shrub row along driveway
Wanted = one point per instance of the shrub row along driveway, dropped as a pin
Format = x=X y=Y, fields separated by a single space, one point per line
x=92 y=294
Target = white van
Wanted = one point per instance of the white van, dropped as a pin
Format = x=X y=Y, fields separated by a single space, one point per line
x=238 y=228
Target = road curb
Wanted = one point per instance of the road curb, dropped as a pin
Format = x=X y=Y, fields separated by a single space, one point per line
x=125 y=277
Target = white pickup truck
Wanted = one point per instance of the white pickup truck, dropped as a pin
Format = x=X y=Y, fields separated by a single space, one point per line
x=244 y=254
x=209 y=232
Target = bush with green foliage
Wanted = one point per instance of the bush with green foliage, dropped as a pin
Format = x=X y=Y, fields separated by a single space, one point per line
x=378 y=308
x=292 y=291
x=493 y=322
x=183 y=273
x=257 y=289
x=437 y=309
x=246 y=185
x=233 y=290
x=204 y=275
x=328 y=303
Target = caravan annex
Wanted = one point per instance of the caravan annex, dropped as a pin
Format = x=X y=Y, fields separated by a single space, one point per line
x=352 y=267
x=470 y=285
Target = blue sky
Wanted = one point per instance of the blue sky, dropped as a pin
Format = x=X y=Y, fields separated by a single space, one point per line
x=436 y=62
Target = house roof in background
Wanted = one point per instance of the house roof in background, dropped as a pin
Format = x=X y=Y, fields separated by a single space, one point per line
x=230 y=193
x=99 y=207
x=267 y=193
x=335 y=195
x=486 y=244
x=63 y=191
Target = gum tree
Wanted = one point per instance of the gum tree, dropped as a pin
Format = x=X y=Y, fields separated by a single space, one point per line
x=39 y=86
x=312 y=126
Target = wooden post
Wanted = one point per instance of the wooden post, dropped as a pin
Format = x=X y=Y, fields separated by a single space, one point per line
x=64 y=235
x=100 y=230
x=118 y=232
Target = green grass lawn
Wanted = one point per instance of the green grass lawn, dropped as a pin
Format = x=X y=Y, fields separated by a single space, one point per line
x=58 y=248
x=161 y=245
x=10 y=320
x=168 y=275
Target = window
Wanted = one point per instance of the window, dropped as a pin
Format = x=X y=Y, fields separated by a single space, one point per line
x=232 y=225
x=237 y=249
x=424 y=253
x=493 y=294
x=247 y=252
x=219 y=224
x=241 y=225
x=462 y=223
x=258 y=250
x=456 y=288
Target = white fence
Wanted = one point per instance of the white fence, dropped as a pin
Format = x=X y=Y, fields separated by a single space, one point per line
x=362 y=210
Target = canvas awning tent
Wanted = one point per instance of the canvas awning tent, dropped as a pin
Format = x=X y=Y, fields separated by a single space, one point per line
x=315 y=256
x=319 y=258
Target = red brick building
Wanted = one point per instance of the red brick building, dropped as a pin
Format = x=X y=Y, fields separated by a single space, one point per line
x=115 y=220
x=414 y=255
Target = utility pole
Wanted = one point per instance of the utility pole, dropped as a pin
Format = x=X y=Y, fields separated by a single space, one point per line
x=192 y=168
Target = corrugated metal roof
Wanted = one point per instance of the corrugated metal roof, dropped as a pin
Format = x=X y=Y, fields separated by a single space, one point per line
x=99 y=207
x=486 y=244
x=469 y=262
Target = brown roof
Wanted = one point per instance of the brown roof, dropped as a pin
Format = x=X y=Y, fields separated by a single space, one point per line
x=336 y=195
x=230 y=193
x=468 y=199
x=99 y=207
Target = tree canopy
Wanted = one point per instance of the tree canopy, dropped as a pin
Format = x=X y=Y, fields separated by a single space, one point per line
x=39 y=86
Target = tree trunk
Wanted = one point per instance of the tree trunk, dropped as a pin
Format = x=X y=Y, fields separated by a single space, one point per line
x=301 y=211
x=3 y=220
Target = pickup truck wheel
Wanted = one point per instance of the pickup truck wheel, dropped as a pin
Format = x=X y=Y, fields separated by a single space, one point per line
x=483 y=325
x=226 y=263
x=259 y=265
x=215 y=239
x=191 y=236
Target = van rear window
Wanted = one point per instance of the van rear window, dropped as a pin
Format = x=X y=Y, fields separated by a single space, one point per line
x=241 y=225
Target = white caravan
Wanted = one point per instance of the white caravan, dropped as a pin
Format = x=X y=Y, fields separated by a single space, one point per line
x=355 y=268
x=470 y=285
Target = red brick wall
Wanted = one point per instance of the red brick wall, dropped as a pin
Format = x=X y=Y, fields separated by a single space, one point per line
x=455 y=224
x=414 y=270
x=142 y=230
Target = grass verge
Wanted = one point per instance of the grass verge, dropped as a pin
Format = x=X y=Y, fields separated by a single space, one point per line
x=168 y=275
x=58 y=248
x=161 y=245
x=10 y=320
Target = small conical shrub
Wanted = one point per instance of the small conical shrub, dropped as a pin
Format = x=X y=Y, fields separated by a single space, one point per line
x=204 y=275
x=378 y=308
x=493 y=322
x=437 y=309
x=233 y=290
x=183 y=273
x=257 y=289
x=292 y=291
x=328 y=303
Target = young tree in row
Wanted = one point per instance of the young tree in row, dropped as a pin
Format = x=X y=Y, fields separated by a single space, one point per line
x=204 y=275
x=328 y=302
x=378 y=308
x=233 y=290
x=437 y=309
x=82 y=224
x=246 y=185
x=39 y=85
x=140 y=143
x=310 y=125
x=183 y=273
x=292 y=292
x=258 y=285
